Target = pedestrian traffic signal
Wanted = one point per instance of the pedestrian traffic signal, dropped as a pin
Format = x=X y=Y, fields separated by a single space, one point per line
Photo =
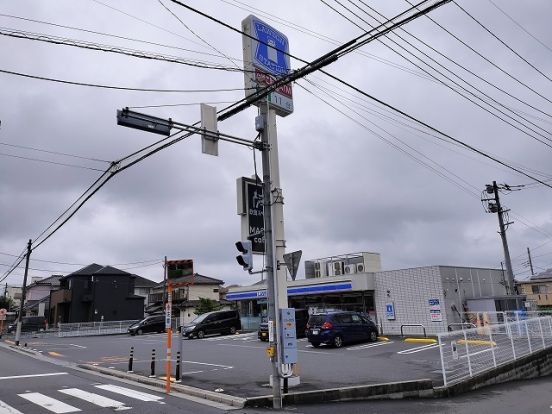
x=245 y=259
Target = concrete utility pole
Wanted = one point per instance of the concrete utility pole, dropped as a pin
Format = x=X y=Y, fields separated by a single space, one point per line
x=497 y=208
x=530 y=261
x=23 y=292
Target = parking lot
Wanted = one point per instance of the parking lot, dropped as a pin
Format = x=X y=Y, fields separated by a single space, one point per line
x=238 y=365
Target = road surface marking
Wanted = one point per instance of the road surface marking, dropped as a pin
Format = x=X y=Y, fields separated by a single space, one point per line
x=6 y=409
x=138 y=395
x=418 y=349
x=33 y=375
x=356 y=348
x=476 y=353
x=78 y=346
x=95 y=399
x=50 y=404
x=211 y=365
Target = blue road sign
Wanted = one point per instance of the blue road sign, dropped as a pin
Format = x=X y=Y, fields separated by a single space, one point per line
x=270 y=53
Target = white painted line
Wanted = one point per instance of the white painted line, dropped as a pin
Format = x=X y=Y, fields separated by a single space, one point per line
x=6 y=409
x=211 y=365
x=355 y=348
x=33 y=375
x=138 y=395
x=476 y=353
x=418 y=349
x=95 y=399
x=77 y=346
x=50 y=404
x=313 y=352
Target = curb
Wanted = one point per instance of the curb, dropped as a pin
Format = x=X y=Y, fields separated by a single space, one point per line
x=184 y=389
x=387 y=391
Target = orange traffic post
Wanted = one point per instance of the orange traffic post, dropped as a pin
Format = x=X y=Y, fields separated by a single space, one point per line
x=168 y=325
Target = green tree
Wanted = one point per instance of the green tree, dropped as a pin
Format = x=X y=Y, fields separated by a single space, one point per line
x=6 y=302
x=207 y=305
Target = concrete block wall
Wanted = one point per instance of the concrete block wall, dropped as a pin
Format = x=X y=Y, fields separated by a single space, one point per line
x=410 y=291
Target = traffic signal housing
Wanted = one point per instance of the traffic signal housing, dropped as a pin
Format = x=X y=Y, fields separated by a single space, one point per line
x=245 y=259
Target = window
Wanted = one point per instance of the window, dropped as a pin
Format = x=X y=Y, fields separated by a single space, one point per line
x=356 y=318
x=539 y=289
x=215 y=290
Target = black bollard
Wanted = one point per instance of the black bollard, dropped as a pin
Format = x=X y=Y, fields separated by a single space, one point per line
x=152 y=375
x=177 y=374
x=131 y=359
x=285 y=385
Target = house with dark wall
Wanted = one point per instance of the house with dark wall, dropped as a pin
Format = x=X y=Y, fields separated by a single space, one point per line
x=96 y=293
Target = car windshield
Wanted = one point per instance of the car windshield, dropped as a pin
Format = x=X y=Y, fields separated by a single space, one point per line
x=200 y=318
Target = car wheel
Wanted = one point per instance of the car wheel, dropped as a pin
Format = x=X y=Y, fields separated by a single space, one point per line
x=139 y=332
x=232 y=330
x=337 y=341
x=373 y=336
x=315 y=344
x=200 y=334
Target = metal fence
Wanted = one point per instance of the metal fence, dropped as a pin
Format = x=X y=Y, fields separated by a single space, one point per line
x=476 y=319
x=468 y=352
x=93 y=328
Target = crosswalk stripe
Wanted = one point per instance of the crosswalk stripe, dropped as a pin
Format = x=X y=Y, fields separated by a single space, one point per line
x=6 y=409
x=142 y=396
x=95 y=399
x=49 y=403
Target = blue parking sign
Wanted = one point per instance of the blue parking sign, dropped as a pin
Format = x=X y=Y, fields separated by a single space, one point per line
x=390 y=311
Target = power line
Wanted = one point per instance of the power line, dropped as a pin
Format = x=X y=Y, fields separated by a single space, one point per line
x=109 y=35
x=114 y=49
x=501 y=41
x=486 y=59
x=95 y=85
x=53 y=152
x=520 y=26
x=447 y=77
x=49 y=162
x=347 y=48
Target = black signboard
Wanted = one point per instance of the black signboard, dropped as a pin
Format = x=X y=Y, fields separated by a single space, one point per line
x=255 y=214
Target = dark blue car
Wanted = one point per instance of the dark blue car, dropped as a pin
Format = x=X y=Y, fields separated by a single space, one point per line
x=337 y=328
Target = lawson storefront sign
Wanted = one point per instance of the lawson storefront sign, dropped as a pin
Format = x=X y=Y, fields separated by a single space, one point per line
x=296 y=290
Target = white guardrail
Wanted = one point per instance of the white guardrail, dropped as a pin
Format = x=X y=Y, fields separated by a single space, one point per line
x=466 y=353
x=93 y=328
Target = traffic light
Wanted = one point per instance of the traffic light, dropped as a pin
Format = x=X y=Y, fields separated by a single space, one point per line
x=245 y=259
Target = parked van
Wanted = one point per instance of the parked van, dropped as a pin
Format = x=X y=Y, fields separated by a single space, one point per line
x=30 y=324
x=155 y=323
x=217 y=322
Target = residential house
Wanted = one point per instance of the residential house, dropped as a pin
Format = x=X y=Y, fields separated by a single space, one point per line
x=143 y=287
x=185 y=297
x=538 y=288
x=96 y=293
x=37 y=295
x=14 y=293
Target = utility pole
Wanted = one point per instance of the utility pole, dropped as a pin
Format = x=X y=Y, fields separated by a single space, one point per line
x=23 y=292
x=530 y=261
x=494 y=206
x=165 y=270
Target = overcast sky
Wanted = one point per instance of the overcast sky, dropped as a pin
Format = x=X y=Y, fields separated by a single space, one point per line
x=355 y=176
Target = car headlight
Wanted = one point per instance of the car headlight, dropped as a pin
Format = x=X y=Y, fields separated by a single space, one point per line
x=189 y=328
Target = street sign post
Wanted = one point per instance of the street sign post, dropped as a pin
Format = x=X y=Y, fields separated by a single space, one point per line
x=292 y=262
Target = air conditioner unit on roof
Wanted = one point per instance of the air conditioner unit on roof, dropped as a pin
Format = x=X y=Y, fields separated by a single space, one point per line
x=350 y=268
x=338 y=268
x=360 y=268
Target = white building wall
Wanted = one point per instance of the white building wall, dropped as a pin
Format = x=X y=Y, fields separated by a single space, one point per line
x=410 y=290
x=204 y=291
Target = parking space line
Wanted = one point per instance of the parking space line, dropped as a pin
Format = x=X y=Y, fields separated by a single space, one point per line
x=418 y=349
x=210 y=365
x=372 y=345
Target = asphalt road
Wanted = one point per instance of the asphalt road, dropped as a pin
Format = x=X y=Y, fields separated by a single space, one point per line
x=238 y=363
x=31 y=386
x=520 y=397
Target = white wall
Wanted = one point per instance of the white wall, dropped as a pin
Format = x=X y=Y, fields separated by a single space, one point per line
x=410 y=291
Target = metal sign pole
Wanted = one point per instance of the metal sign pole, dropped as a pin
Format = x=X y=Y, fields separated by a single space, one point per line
x=271 y=283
